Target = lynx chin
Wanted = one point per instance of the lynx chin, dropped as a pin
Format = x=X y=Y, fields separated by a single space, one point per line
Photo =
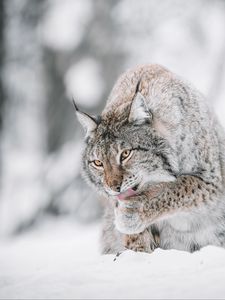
x=157 y=156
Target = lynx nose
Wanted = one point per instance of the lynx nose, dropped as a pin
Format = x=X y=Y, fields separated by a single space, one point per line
x=115 y=185
x=117 y=188
x=113 y=179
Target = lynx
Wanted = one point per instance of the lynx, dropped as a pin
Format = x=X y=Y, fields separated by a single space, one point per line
x=156 y=154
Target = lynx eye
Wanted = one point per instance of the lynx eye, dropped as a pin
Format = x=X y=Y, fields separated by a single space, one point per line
x=125 y=154
x=98 y=163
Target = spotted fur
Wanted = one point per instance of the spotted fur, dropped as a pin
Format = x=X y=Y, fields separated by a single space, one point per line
x=176 y=164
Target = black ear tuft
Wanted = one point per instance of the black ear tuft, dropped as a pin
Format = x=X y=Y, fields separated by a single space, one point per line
x=74 y=104
x=138 y=86
x=89 y=123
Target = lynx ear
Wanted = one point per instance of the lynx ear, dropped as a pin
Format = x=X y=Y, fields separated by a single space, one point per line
x=88 y=122
x=139 y=112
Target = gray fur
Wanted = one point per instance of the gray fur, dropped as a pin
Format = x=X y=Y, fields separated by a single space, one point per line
x=177 y=162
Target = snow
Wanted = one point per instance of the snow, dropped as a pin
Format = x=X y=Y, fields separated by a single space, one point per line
x=60 y=259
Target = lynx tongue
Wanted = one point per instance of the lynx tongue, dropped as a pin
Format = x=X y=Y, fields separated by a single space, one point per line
x=128 y=193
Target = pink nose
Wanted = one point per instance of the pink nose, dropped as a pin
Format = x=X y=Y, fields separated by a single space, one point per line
x=115 y=188
x=113 y=182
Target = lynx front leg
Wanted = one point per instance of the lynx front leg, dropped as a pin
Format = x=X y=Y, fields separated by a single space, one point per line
x=134 y=215
x=142 y=242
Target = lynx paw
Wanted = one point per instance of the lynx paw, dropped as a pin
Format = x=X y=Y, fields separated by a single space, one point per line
x=128 y=218
x=142 y=242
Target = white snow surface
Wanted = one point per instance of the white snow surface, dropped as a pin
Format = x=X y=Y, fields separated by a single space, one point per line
x=61 y=260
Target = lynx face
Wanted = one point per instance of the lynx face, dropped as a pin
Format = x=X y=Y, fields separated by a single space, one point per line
x=116 y=162
x=127 y=153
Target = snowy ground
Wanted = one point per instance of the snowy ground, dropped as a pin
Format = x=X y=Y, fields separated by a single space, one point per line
x=61 y=260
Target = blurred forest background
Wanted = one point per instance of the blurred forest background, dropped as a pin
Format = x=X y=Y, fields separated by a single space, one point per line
x=53 y=49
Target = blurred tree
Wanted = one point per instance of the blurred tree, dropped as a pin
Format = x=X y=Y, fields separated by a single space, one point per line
x=89 y=39
x=99 y=42
x=2 y=23
x=2 y=96
x=23 y=191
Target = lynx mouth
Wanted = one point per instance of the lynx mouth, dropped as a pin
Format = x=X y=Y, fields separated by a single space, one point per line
x=131 y=192
x=135 y=187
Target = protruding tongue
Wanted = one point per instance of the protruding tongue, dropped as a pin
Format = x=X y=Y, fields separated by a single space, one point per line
x=128 y=193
